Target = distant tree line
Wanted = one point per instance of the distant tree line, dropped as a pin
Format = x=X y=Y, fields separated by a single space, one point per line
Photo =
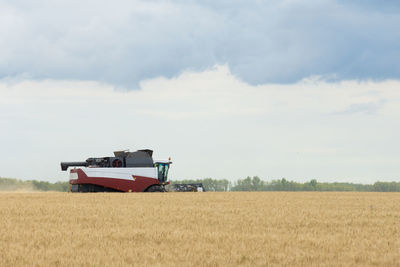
x=11 y=184
x=247 y=184
x=256 y=184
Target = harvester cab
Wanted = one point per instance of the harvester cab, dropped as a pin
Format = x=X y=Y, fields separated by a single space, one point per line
x=162 y=171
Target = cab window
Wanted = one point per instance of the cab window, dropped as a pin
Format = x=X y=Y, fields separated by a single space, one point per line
x=162 y=169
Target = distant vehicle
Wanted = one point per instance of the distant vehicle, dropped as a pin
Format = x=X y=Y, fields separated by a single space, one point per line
x=125 y=172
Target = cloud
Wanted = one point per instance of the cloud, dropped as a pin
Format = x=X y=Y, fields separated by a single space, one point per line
x=124 y=42
x=367 y=108
x=211 y=124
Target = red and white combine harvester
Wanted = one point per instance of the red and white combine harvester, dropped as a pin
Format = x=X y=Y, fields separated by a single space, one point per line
x=125 y=172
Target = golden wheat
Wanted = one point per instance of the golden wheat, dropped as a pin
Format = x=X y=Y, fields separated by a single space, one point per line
x=199 y=229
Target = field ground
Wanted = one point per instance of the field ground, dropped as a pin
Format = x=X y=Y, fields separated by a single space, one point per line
x=200 y=229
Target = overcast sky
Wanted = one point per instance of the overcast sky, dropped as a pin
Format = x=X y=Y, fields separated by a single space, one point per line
x=295 y=89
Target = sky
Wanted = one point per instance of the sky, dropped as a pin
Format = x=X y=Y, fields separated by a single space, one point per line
x=227 y=89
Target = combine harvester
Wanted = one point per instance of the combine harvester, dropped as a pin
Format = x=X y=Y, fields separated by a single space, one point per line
x=125 y=172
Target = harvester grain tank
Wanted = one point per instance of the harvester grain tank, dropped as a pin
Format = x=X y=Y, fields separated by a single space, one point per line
x=125 y=172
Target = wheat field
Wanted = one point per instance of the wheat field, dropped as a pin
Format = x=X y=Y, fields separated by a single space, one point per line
x=200 y=229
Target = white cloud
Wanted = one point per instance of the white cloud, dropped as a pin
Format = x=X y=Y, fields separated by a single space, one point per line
x=123 y=42
x=211 y=123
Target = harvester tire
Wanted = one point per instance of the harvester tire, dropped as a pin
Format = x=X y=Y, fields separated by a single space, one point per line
x=155 y=188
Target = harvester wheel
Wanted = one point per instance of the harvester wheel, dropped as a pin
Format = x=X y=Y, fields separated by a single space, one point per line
x=155 y=188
